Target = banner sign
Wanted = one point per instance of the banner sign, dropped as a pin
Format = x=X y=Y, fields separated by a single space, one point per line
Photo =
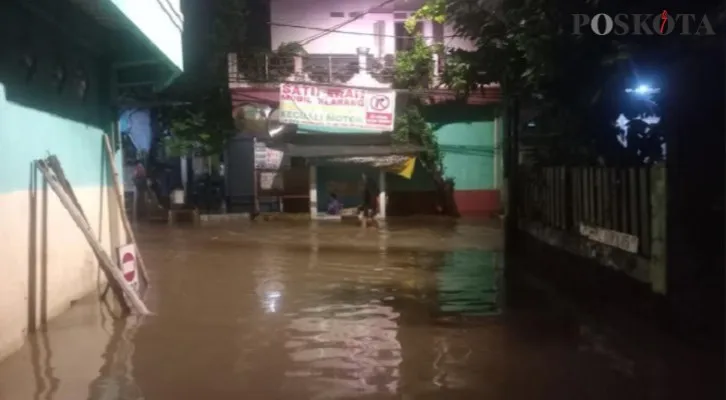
x=308 y=104
x=267 y=158
x=609 y=237
x=271 y=181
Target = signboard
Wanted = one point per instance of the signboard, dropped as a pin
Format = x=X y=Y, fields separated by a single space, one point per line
x=307 y=104
x=127 y=263
x=267 y=158
x=609 y=237
x=271 y=181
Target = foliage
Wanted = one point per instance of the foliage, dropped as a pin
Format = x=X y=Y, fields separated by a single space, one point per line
x=413 y=69
x=576 y=82
x=413 y=72
x=269 y=66
x=204 y=123
x=202 y=126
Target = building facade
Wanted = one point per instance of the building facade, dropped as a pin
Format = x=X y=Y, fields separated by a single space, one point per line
x=350 y=43
x=65 y=66
x=379 y=28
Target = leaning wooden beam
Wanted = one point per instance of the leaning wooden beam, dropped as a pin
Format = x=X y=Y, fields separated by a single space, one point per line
x=55 y=167
x=106 y=262
x=124 y=217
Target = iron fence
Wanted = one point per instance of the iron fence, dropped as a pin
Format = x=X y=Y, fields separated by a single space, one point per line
x=616 y=199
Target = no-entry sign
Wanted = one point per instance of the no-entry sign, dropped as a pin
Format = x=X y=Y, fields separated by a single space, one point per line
x=127 y=263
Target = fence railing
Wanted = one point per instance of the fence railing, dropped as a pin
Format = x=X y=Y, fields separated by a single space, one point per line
x=321 y=68
x=616 y=199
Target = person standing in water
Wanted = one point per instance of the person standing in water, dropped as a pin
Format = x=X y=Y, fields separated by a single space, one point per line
x=334 y=205
x=369 y=195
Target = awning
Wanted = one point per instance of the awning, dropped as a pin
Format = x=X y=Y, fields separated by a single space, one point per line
x=338 y=152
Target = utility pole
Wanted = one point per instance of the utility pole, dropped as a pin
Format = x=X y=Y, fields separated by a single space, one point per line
x=511 y=169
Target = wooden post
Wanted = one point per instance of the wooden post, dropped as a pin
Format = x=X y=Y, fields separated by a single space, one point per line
x=644 y=209
x=105 y=261
x=600 y=198
x=313 y=191
x=124 y=217
x=633 y=202
x=382 y=195
x=256 y=192
x=330 y=69
x=587 y=186
x=624 y=210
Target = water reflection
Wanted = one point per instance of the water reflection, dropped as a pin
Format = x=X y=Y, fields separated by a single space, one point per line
x=270 y=286
x=331 y=312
x=346 y=349
x=41 y=352
x=470 y=282
x=115 y=379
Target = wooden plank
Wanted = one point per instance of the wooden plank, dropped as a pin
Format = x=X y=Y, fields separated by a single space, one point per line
x=644 y=208
x=120 y=201
x=633 y=201
x=106 y=263
x=556 y=194
x=565 y=205
x=600 y=200
x=613 y=198
x=551 y=193
x=614 y=195
x=586 y=195
x=566 y=198
x=559 y=201
x=623 y=206
x=606 y=203
x=576 y=179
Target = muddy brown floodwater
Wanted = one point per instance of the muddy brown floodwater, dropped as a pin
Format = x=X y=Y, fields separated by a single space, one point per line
x=275 y=310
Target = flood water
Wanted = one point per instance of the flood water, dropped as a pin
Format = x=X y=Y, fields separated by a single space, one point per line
x=273 y=310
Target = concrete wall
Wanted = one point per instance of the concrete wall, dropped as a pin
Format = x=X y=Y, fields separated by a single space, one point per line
x=359 y=33
x=47 y=262
x=469 y=141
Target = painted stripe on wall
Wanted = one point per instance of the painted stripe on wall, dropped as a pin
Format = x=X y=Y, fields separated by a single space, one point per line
x=27 y=134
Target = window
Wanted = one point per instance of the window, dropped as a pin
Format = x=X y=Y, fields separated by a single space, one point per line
x=355 y=14
x=438 y=32
x=404 y=40
x=379 y=31
x=337 y=14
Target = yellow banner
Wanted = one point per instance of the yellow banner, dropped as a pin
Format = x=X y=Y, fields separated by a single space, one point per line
x=404 y=169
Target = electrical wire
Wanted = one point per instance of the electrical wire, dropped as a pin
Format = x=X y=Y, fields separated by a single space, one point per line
x=344 y=86
x=312 y=28
x=342 y=24
x=169 y=15
x=178 y=15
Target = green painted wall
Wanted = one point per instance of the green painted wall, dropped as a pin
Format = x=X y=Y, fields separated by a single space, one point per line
x=38 y=115
x=467 y=141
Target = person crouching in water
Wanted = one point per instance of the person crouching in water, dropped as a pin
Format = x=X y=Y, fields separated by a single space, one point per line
x=334 y=205
x=370 y=195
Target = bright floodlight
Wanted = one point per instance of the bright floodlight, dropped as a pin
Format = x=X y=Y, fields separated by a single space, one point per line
x=642 y=89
